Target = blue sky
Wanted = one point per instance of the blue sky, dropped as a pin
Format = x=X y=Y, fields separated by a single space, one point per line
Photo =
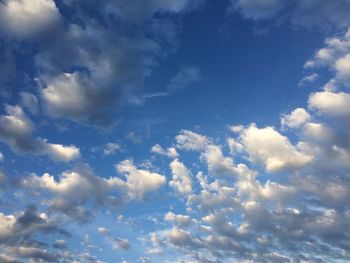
x=174 y=131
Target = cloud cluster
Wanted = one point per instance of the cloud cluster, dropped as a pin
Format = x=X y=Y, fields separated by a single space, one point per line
x=284 y=194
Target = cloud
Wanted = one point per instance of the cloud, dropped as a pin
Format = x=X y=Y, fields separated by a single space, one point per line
x=110 y=148
x=103 y=230
x=330 y=103
x=274 y=151
x=105 y=60
x=16 y=130
x=138 y=182
x=29 y=101
x=307 y=80
x=342 y=67
x=189 y=140
x=217 y=163
x=73 y=189
x=179 y=220
x=181 y=178
x=184 y=78
x=74 y=96
x=300 y=215
x=26 y=18
x=16 y=228
x=335 y=56
x=169 y=152
x=296 y=119
x=121 y=244
x=309 y=14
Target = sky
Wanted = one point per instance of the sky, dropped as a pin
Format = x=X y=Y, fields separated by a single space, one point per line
x=174 y=131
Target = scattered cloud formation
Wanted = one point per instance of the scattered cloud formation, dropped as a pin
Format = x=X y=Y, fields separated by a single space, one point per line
x=186 y=189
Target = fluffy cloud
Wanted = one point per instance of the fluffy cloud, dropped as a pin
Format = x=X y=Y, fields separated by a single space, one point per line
x=138 y=182
x=170 y=152
x=16 y=130
x=295 y=119
x=74 y=189
x=180 y=220
x=189 y=140
x=25 y=18
x=181 y=181
x=268 y=147
x=342 y=67
x=301 y=213
x=330 y=103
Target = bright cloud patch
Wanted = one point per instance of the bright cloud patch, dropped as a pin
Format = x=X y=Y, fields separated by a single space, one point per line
x=24 y=18
x=138 y=182
x=271 y=149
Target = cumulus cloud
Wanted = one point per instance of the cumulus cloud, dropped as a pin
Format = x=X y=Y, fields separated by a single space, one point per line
x=16 y=130
x=181 y=181
x=189 y=140
x=138 y=182
x=73 y=189
x=268 y=147
x=301 y=214
x=25 y=18
x=296 y=119
x=170 y=152
x=330 y=103
x=180 y=220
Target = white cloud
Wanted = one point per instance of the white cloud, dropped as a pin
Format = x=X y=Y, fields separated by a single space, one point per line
x=103 y=230
x=217 y=163
x=189 y=140
x=330 y=103
x=179 y=220
x=138 y=182
x=62 y=153
x=296 y=119
x=181 y=178
x=170 y=152
x=271 y=149
x=16 y=129
x=70 y=95
x=342 y=67
x=25 y=18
